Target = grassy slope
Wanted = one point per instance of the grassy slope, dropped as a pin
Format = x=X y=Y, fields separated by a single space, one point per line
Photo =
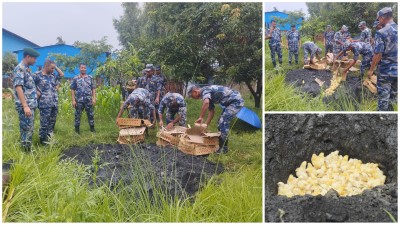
x=279 y=96
x=46 y=190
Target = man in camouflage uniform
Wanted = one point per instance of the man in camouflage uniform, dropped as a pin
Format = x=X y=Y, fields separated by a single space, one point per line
x=152 y=84
x=231 y=101
x=310 y=48
x=175 y=104
x=385 y=55
x=293 y=44
x=140 y=103
x=328 y=39
x=162 y=78
x=274 y=34
x=366 y=34
x=339 y=40
x=363 y=48
x=25 y=97
x=83 y=92
x=47 y=84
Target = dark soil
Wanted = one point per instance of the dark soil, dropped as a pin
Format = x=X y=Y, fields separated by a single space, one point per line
x=352 y=88
x=154 y=167
x=293 y=138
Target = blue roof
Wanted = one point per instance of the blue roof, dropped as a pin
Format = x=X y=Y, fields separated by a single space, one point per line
x=12 y=42
x=269 y=16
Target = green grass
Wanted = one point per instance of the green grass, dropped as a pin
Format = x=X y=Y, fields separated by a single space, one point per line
x=280 y=96
x=47 y=190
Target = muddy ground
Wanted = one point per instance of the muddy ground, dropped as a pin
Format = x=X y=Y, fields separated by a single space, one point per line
x=293 y=138
x=352 y=87
x=157 y=168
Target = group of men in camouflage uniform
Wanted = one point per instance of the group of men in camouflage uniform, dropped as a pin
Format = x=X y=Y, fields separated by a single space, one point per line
x=381 y=51
x=38 y=90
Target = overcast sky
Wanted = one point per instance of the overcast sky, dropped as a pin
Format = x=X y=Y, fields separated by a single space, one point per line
x=288 y=6
x=42 y=23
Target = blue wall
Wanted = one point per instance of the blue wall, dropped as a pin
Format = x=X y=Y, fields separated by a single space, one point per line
x=62 y=49
x=12 y=42
x=269 y=16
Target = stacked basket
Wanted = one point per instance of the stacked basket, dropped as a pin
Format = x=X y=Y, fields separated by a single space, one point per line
x=132 y=131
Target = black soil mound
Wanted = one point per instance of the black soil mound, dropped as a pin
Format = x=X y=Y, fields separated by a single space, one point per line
x=155 y=167
x=305 y=80
x=293 y=138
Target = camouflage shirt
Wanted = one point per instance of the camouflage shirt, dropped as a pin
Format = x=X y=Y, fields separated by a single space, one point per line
x=362 y=48
x=293 y=38
x=328 y=35
x=46 y=85
x=219 y=95
x=275 y=37
x=83 y=87
x=23 y=77
x=366 y=35
x=139 y=97
x=173 y=101
x=386 y=44
x=152 y=84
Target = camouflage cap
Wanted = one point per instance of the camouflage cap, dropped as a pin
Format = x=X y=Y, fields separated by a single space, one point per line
x=362 y=23
x=149 y=67
x=191 y=88
x=383 y=12
x=346 y=44
x=344 y=27
x=157 y=67
x=329 y=26
x=32 y=52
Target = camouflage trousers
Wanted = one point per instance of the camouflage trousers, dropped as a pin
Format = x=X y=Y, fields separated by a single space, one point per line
x=328 y=48
x=48 y=118
x=277 y=49
x=365 y=64
x=140 y=112
x=295 y=52
x=227 y=115
x=387 y=92
x=80 y=106
x=170 y=116
x=26 y=126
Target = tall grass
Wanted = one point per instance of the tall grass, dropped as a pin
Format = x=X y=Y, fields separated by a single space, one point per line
x=47 y=190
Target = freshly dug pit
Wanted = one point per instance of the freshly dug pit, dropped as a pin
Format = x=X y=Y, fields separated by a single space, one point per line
x=351 y=88
x=293 y=138
x=162 y=168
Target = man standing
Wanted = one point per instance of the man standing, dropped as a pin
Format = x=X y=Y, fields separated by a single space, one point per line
x=339 y=40
x=231 y=101
x=162 y=78
x=293 y=44
x=152 y=84
x=141 y=107
x=310 y=48
x=274 y=34
x=83 y=92
x=47 y=84
x=363 y=48
x=25 y=96
x=385 y=55
x=366 y=34
x=175 y=104
x=328 y=39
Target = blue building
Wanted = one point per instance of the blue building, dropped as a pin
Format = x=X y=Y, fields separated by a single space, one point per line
x=269 y=16
x=12 y=42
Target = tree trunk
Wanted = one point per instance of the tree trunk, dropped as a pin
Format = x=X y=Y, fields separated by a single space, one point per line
x=256 y=94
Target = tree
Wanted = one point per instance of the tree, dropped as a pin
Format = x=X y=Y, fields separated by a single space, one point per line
x=9 y=62
x=60 y=41
x=312 y=27
x=293 y=18
x=199 y=41
x=89 y=54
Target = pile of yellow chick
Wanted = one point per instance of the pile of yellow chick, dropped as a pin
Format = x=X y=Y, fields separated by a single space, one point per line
x=335 y=82
x=347 y=176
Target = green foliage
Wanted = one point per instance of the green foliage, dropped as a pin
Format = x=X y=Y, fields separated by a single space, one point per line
x=9 y=62
x=89 y=55
x=293 y=18
x=198 y=41
x=348 y=13
x=313 y=26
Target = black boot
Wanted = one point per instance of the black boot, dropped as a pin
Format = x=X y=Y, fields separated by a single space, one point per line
x=92 y=129
x=223 y=146
x=26 y=146
x=44 y=141
x=77 y=130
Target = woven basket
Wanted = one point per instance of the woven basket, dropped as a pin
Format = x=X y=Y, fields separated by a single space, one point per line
x=131 y=135
x=172 y=137
x=195 y=149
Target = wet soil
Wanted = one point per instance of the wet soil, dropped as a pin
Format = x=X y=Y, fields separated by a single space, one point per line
x=293 y=138
x=156 y=168
x=304 y=79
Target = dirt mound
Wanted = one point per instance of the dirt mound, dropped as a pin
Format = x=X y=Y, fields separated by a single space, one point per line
x=291 y=139
x=305 y=80
x=156 y=167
